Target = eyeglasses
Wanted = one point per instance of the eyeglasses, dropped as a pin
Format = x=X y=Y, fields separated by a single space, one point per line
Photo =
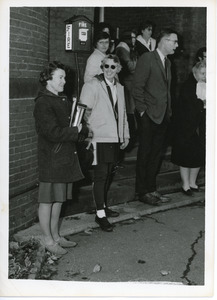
x=111 y=66
x=174 y=41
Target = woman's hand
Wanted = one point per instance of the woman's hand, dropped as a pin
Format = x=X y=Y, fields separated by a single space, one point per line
x=124 y=144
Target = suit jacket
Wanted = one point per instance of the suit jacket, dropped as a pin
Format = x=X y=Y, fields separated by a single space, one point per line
x=151 y=87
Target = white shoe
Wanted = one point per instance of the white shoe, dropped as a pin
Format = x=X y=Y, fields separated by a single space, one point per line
x=63 y=242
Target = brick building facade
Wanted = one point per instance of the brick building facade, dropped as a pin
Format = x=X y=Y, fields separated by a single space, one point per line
x=37 y=35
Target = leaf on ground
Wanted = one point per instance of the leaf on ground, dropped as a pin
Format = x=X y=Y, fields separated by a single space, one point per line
x=89 y=231
x=141 y=261
x=164 y=272
x=97 y=268
x=33 y=270
x=27 y=262
x=72 y=273
x=14 y=245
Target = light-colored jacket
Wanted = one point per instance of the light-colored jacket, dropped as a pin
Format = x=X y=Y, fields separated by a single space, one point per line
x=93 y=66
x=100 y=115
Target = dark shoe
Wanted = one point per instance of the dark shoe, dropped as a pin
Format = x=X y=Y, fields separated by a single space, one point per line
x=150 y=199
x=197 y=190
x=110 y=213
x=163 y=199
x=187 y=192
x=104 y=224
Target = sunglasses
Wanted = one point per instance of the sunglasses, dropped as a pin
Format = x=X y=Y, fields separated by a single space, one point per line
x=111 y=66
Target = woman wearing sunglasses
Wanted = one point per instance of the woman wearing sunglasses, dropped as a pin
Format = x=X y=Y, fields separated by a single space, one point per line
x=106 y=118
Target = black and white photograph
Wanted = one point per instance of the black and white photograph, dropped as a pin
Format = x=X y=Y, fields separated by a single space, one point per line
x=108 y=140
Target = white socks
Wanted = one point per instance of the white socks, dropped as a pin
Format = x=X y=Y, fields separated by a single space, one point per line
x=100 y=213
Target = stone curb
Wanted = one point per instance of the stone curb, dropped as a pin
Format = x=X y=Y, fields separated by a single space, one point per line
x=130 y=210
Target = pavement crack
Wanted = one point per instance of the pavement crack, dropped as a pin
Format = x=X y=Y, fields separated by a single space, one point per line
x=190 y=260
x=156 y=220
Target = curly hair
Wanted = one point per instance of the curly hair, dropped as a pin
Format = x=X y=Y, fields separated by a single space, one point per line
x=116 y=60
x=199 y=65
x=47 y=73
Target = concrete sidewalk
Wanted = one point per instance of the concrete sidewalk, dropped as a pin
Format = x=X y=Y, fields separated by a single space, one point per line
x=84 y=222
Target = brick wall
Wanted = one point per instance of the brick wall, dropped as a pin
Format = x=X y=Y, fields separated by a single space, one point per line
x=28 y=52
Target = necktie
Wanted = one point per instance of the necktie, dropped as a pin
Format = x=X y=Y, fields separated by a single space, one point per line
x=114 y=104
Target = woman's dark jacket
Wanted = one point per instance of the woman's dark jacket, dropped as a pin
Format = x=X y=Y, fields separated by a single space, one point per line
x=188 y=113
x=52 y=117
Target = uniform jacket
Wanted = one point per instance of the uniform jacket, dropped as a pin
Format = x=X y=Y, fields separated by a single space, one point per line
x=99 y=115
x=151 y=87
x=52 y=116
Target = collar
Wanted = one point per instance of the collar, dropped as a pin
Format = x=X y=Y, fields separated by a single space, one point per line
x=143 y=41
x=110 y=83
x=162 y=57
x=123 y=45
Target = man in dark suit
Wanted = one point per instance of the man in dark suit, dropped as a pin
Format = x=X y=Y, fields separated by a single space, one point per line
x=151 y=93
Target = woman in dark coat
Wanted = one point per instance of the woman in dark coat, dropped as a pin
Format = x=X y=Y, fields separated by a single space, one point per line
x=188 y=150
x=57 y=157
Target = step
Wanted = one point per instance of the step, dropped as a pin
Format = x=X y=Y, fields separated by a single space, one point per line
x=122 y=189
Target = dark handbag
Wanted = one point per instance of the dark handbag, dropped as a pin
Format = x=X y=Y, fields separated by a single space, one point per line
x=85 y=155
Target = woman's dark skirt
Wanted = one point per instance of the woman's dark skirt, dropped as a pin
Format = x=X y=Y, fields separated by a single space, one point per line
x=189 y=154
x=50 y=192
x=107 y=152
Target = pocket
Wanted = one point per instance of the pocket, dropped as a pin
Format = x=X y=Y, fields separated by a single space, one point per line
x=62 y=157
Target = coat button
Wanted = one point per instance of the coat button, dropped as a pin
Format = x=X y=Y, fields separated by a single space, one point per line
x=75 y=152
x=63 y=99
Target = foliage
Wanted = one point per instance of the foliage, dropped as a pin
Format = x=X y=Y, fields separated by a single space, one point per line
x=26 y=260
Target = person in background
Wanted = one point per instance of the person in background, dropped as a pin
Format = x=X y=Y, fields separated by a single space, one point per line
x=144 y=41
x=58 y=163
x=151 y=93
x=101 y=45
x=106 y=118
x=105 y=27
x=201 y=54
x=188 y=149
x=125 y=52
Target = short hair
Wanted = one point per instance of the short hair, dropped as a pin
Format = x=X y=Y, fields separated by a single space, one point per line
x=145 y=25
x=199 y=65
x=49 y=68
x=100 y=35
x=200 y=53
x=116 y=60
x=165 y=32
x=102 y=25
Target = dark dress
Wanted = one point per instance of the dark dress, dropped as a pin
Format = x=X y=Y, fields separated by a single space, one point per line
x=188 y=147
